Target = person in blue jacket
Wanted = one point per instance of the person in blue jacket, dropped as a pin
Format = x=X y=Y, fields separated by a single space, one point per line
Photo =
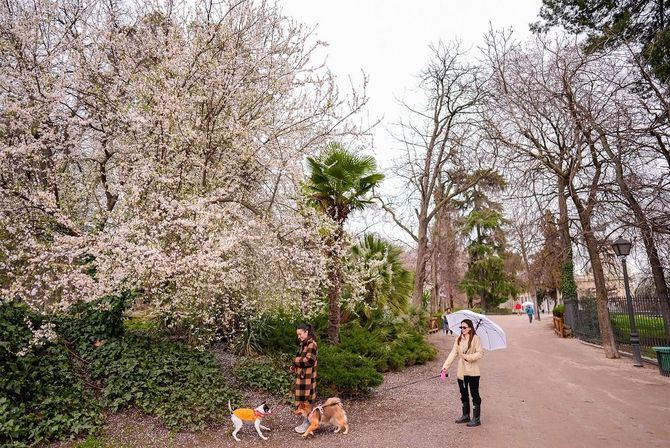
x=529 y=312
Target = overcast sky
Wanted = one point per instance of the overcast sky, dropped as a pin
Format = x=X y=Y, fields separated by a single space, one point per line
x=389 y=41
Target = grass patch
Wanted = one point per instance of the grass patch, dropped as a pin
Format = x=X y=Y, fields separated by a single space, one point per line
x=648 y=325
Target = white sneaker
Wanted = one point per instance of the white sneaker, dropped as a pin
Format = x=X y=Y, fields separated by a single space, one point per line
x=303 y=427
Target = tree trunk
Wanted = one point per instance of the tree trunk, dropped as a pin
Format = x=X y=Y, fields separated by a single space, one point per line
x=434 y=257
x=447 y=254
x=434 y=266
x=421 y=260
x=568 y=286
x=649 y=246
x=604 y=322
x=444 y=255
x=483 y=301
x=304 y=302
x=335 y=277
x=334 y=287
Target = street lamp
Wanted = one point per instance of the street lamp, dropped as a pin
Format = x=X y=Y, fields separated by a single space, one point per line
x=622 y=250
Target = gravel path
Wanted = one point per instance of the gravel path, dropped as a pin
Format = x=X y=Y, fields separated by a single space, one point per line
x=541 y=391
x=544 y=391
x=419 y=414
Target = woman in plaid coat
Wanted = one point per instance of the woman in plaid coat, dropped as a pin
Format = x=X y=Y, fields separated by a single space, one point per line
x=304 y=366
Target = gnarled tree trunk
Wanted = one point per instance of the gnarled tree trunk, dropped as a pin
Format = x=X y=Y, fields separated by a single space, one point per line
x=604 y=322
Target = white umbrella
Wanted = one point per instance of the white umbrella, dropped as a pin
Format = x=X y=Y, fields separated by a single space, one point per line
x=491 y=334
x=527 y=304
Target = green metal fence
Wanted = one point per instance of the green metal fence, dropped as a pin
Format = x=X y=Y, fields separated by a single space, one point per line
x=648 y=319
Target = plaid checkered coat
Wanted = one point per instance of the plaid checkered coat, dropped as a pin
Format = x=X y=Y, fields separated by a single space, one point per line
x=305 y=369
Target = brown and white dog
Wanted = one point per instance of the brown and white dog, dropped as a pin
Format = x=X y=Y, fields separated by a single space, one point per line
x=249 y=416
x=331 y=412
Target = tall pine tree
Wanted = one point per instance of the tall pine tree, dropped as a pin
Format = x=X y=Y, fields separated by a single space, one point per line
x=486 y=279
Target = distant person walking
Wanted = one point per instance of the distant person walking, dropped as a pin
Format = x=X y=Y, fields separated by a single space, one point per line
x=468 y=349
x=517 y=308
x=529 y=312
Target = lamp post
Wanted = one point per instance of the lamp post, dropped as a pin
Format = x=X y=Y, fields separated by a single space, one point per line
x=622 y=249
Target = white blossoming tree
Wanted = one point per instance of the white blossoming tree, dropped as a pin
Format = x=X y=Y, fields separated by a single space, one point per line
x=158 y=147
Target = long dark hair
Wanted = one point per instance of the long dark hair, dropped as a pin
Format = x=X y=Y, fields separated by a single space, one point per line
x=471 y=334
x=309 y=328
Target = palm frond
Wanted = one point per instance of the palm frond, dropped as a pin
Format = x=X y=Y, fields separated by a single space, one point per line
x=389 y=283
x=340 y=181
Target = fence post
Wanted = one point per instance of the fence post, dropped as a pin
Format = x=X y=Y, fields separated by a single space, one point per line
x=634 y=335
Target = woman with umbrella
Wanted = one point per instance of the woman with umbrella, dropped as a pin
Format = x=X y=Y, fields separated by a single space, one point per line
x=468 y=349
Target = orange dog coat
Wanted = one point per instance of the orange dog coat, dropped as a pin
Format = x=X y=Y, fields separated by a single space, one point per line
x=247 y=415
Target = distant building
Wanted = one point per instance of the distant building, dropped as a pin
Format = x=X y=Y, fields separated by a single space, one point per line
x=586 y=286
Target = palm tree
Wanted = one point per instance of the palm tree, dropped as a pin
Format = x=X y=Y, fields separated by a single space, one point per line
x=388 y=282
x=338 y=184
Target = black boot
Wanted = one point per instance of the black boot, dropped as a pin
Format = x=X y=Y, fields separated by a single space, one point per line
x=466 y=415
x=475 y=417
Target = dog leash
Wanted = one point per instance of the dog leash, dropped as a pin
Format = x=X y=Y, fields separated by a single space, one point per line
x=409 y=384
x=379 y=390
x=280 y=406
x=275 y=409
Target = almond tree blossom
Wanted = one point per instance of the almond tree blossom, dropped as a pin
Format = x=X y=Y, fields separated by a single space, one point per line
x=158 y=146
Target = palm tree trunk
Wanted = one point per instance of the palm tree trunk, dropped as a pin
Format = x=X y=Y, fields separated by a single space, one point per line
x=334 y=286
x=334 y=292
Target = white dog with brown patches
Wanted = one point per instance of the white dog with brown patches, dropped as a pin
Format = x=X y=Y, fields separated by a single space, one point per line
x=249 y=416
